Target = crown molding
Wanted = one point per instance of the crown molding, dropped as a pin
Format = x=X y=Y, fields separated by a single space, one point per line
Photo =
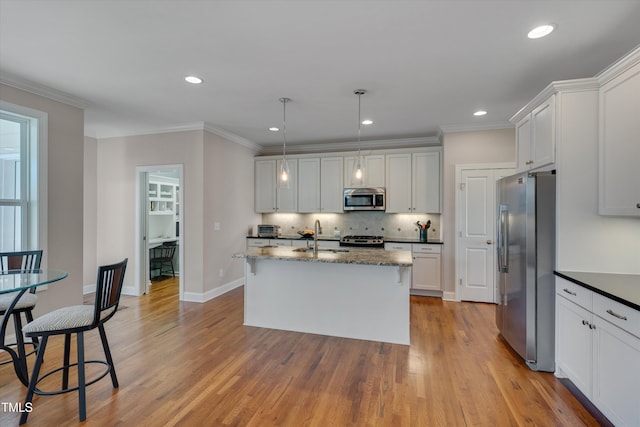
x=627 y=61
x=150 y=131
x=575 y=85
x=476 y=127
x=378 y=144
x=42 y=90
x=233 y=137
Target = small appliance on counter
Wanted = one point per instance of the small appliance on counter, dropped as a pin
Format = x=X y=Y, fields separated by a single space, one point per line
x=267 y=230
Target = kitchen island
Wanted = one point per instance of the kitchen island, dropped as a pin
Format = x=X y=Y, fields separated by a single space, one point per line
x=351 y=293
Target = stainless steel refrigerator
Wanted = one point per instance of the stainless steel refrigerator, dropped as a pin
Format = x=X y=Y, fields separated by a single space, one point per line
x=525 y=314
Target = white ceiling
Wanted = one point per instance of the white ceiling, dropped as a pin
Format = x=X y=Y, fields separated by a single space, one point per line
x=426 y=65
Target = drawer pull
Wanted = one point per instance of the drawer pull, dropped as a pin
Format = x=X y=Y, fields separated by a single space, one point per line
x=585 y=322
x=614 y=314
x=569 y=292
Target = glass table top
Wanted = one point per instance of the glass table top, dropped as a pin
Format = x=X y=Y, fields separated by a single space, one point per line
x=16 y=280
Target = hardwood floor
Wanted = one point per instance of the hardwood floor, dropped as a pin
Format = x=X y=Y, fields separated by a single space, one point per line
x=182 y=363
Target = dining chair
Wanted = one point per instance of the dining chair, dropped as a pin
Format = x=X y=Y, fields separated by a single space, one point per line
x=77 y=320
x=23 y=261
x=162 y=256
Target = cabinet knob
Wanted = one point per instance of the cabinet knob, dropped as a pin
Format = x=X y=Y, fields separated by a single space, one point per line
x=638 y=205
x=489 y=242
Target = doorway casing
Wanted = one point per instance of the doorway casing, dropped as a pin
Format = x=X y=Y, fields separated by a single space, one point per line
x=142 y=226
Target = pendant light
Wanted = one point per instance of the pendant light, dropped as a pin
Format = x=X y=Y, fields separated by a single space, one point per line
x=357 y=177
x=283 y=175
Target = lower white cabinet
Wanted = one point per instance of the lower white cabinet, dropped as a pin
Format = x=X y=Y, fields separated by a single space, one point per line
x=600 y=358
x=616 y=369
x=426 y=273
x=426 y=267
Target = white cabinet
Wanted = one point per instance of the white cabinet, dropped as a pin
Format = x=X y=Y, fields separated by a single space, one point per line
x=574 y=343
x=265 y=186
x=616 y=382
x=598 y=349
x=287 y=198
x=619 y=147
x=373 y=171
x=426 y=272
x=331 y=184
x=425 y=182
x=398 y=183
x=163 y=207
x=269 y=197
x=413 y=182
x=535 y=137
x=309 y=187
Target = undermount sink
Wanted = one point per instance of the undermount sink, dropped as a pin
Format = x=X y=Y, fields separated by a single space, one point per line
x=334 y=250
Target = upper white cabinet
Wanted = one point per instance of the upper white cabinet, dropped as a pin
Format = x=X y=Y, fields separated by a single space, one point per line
x=331 y=179
x=619 y=142
x=268 y=196
x=373 y=171
x=287 y=198
x=535 y=137
x=413 y=182
x=265 y=186
x=309 y=187
x=412 y=178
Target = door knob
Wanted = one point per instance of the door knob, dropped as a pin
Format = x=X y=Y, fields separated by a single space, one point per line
x=489 y=242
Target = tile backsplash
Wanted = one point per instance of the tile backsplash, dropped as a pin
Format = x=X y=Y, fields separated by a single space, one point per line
x=358 y=223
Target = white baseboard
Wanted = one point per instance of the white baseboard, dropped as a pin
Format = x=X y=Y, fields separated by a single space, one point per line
x=126 y=290
x=88 y=289
x=449 y=296
x=209 y=295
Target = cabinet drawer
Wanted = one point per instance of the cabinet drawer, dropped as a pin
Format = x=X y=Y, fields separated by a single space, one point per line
x=620 y=315
x=397 y=246
x=280 y=242
x=257 y=243
x=575 y=293
x=426 y=249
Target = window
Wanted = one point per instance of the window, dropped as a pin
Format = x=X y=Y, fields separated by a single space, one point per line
x=22 y=193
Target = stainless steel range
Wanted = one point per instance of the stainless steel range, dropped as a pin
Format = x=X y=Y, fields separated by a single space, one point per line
x=363 y=241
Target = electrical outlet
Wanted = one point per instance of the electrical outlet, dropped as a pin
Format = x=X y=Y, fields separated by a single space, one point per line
x=221 y=272
x=216 y=226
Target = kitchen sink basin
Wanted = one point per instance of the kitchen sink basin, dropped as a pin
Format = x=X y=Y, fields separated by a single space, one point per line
x=334 y=250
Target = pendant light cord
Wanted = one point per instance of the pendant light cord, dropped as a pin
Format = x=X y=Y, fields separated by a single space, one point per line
x=284 y=126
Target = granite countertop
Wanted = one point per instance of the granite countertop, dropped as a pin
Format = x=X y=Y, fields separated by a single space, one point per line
x=327 y=237
x=340 y=256
x=624 y=288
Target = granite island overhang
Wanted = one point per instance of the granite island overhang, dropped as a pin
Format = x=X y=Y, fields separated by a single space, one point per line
x=350 y=293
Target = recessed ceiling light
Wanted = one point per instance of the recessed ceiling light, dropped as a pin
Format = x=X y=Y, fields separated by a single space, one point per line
x=193 y=79
x=367 y=122
x=274 y=129
x=480 y=113
x=541 y=31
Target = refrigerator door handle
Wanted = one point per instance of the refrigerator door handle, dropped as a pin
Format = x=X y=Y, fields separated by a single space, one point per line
x=503 y=239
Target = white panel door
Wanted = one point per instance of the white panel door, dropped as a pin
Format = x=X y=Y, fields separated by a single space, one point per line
x=476 y=237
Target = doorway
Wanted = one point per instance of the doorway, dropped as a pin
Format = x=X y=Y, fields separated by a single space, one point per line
x=159 y=223
x=475 y=225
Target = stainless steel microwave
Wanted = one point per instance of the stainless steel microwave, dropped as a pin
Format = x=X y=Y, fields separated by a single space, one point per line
x=364 y=199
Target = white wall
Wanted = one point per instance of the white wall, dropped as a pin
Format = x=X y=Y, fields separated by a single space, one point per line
x=587 y=241
x=492 y=146
x=90 y=234
x=65 y=194
x=217 y=183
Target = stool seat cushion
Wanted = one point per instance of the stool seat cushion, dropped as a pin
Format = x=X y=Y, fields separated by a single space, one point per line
x=62 y=319
x=28 y=300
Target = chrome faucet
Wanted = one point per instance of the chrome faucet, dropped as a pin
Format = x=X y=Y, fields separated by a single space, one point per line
x=316 y=229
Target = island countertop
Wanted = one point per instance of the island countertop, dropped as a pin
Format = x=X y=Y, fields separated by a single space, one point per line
x=340 y=256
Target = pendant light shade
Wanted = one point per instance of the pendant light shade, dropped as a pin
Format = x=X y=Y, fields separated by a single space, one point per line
x=283 y=173
x=357 y=176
